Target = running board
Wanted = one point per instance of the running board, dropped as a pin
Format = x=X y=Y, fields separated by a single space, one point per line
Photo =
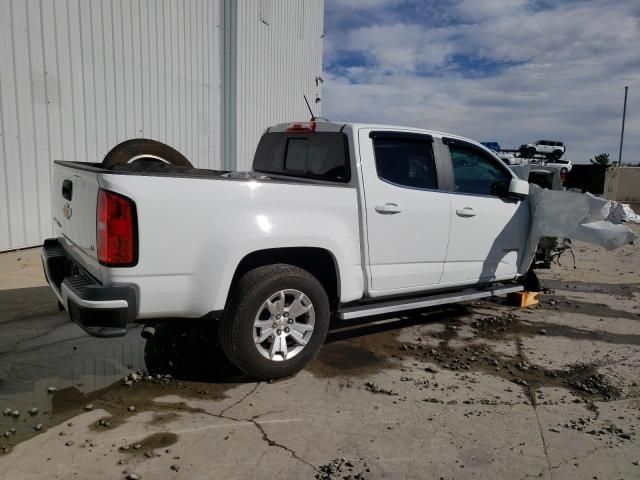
x=380 y=308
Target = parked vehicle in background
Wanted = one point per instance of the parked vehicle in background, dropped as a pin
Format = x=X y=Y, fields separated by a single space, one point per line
x=548 y=148
x=495 y=146
x=342 y=220
x=507 y=157
x=562 y=165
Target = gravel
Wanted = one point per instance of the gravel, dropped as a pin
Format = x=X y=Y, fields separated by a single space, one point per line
x=373 y=388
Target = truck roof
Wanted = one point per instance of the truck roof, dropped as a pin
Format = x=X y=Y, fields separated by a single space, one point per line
x=324 y=126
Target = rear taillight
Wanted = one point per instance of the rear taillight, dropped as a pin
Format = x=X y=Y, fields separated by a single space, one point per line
x=117 y=239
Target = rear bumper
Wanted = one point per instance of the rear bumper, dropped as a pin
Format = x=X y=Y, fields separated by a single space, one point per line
x=101 y=311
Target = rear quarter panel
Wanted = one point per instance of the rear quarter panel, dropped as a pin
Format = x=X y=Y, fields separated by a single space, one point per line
x=193 y=233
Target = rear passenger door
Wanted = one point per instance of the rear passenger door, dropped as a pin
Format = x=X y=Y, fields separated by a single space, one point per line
x=488 y=230
x=407 y=217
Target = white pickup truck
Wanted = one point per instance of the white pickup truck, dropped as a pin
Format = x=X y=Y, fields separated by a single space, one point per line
x=335 y=221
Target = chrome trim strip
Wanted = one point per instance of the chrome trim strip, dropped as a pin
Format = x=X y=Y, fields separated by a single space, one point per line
x=67 y=294
x=50 y=282
x=412 y=304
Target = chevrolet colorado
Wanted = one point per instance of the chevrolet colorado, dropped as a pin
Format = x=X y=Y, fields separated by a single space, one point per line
x=334 y=221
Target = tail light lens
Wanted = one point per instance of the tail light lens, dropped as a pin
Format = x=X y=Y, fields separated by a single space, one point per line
x=117 y=239
x=302 y=127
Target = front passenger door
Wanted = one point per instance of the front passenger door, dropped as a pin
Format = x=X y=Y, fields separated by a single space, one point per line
x=488 y=230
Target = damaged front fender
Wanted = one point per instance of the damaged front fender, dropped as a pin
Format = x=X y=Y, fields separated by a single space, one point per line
x=578 y=216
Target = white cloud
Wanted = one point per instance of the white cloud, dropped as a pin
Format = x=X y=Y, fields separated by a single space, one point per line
x=563 y=78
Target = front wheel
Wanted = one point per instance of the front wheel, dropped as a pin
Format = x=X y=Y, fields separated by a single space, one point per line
x=275 y=321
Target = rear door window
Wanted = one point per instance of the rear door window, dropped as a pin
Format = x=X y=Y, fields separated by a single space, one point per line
x=406 y=162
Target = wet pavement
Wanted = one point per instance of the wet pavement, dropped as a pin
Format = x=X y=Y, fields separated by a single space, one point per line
x=479 y=390
x=41 y=350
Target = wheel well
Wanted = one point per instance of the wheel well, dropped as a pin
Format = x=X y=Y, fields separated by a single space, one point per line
x=317 y=261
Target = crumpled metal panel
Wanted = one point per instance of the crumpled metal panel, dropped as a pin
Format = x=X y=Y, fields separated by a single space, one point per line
x=578 y=216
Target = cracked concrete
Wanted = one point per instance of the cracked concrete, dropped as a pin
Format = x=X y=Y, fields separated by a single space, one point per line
x=451 y=401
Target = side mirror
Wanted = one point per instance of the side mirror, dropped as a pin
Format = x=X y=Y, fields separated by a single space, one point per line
x=518 y=188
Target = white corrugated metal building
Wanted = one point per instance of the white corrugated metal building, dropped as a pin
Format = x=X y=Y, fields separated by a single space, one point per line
x=77 y=77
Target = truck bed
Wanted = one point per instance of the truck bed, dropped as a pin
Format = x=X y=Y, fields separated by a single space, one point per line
x=173 y=171
x=189 y=241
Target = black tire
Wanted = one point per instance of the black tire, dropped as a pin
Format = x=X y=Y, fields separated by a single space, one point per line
x=139 y=147
x=531 y=152
x=557 y=155
x=237 y=324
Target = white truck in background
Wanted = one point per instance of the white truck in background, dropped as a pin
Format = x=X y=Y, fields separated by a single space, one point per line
x=335 y=220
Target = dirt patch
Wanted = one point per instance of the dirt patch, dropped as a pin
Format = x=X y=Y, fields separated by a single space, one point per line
x=341 y=468
x=582 y=379
x=372 y=352
x=344 y=358
x=499 y=327
x=620 y=290
x=601 y=310
x=363 y=349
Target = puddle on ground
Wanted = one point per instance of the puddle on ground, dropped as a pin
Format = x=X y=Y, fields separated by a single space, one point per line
x=85 y=373
x=150 y=443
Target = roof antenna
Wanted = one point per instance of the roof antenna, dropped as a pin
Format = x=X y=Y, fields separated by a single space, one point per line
x=313 y=117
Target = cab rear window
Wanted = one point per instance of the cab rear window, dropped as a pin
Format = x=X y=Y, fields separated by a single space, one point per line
x=318 y=155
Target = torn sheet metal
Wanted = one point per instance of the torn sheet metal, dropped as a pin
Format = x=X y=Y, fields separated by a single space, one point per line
x=624 y=213
x=578 y=216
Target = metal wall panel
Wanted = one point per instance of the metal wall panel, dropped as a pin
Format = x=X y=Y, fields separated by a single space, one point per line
x=279 y=56
x=78 y=77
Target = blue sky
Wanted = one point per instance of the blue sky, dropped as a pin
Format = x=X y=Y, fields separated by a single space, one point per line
x=514 y=71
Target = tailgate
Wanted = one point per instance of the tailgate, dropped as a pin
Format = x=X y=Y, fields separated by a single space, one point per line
x=74 y=200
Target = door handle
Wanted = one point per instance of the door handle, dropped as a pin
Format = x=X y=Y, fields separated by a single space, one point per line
x=388 y=209
x=466 y=212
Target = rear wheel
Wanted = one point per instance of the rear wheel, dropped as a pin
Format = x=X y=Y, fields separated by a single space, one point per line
x=275 y=322
x=531 y=152
x=147 y=150
x=557 y=154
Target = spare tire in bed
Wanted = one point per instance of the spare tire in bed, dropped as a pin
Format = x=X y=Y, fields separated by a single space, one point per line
x=144 y=149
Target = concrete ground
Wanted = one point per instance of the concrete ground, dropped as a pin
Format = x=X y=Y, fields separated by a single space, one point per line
x=480 y=390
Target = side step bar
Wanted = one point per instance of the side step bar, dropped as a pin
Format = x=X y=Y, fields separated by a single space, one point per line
x=392 y=306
